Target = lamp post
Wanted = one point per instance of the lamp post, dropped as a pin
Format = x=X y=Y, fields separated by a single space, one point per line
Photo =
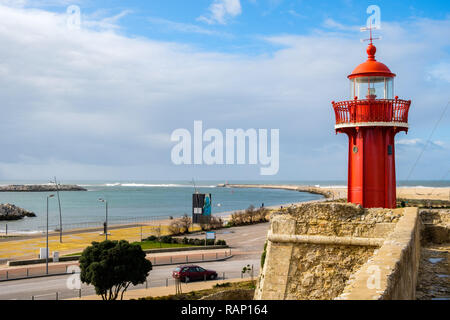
x=60 y=214
x=106 y=222
x=46 y=250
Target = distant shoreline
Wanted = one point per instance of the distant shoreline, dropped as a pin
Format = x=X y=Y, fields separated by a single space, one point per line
x=408 y=192
x=40 y=188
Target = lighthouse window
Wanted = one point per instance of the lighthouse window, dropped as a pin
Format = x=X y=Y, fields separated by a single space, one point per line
x=372 y=88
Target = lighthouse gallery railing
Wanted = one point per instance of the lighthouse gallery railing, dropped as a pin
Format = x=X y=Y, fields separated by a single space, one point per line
x=371 y=110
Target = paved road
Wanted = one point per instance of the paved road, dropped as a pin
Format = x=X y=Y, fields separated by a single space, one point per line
x=246 y=242
x=46 y=288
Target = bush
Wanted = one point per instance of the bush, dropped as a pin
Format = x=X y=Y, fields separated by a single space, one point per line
x=221 y=242
x=249 y=216
x=175 y=227
x=216 y=223
x=166 y=239
x=185 y=223
x=112 y=266
x=151 y=238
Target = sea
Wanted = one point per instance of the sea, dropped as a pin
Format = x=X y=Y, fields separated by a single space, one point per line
x=143 y=201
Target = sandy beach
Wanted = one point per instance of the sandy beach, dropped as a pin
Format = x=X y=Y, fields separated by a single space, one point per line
x=413 y=193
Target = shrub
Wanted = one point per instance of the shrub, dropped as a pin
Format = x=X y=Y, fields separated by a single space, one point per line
x=166 y=239
x=185 y=223
x=151 y=238
x=249 y=216
x=175 y=227
x=216 y=223
x=112 y=266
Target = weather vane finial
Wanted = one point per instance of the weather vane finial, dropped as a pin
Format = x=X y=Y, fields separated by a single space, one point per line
x=371 y=49
x=370 y=28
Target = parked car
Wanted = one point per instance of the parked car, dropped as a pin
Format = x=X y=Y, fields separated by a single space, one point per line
x=188 y=273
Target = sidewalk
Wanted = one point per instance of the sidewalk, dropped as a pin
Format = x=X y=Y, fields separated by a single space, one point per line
x=165 y=291
x=157 y=259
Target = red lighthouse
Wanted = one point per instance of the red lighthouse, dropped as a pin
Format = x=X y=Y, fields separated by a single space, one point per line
x=371 y=120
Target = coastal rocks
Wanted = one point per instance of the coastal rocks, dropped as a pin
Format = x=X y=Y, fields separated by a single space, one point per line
x=11 y=212
x=40 y=188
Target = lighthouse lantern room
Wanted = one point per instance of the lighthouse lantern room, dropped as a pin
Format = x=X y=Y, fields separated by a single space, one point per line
x=371 y=119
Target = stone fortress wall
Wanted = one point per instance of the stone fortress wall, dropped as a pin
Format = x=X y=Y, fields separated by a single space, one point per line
x=341 y=251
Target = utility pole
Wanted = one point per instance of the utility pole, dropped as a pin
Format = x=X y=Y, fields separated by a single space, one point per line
x=60 y=214
x=106 y=217
x=46 y=250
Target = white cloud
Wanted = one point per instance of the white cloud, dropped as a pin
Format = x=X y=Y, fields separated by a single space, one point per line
x=295 y=14
x=420 y=143
x=14 y=3
x=93 y=103
x=440 y=71
x=104 y=23
x=332 y=24
x=185 y=27
x=220 y=11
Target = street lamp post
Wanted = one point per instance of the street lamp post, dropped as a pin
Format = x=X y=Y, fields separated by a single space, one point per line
x=60 y=214
x=46 y=250
x=106 y=221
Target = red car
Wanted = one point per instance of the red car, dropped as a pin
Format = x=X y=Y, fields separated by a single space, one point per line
x=188 y=273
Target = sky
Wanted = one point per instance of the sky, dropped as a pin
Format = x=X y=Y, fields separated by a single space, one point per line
x=101 y=101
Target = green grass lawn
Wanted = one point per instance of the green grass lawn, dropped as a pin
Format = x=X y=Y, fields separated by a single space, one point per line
x=146 y=245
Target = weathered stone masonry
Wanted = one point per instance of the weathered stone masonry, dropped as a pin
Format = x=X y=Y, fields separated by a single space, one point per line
x=315 y=249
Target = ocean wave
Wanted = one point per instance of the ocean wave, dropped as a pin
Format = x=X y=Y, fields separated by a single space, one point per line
x=149 y=185
x=26 y=232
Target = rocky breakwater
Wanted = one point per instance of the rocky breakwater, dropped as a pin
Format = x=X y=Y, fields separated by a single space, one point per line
x=11 y=212
x=40 y=188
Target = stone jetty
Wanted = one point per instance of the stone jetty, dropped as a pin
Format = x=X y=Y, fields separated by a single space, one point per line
x=40 y=188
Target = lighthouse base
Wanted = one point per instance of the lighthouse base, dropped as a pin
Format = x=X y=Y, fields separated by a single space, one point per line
x=371 y=166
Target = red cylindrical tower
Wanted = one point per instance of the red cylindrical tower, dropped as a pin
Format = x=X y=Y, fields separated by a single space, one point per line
x=371 y=120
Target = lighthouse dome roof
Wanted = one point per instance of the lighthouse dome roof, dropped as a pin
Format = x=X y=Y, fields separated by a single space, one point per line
x=371 y=67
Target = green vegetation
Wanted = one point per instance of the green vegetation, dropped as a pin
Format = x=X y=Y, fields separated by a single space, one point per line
x=263 y=255
x=181 y=226
x=195 y=295
x=249 y=216
x=146 y=245
x=112 y=266
x=187 y=242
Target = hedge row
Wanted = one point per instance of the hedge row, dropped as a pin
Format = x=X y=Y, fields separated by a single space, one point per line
x=191 y=241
